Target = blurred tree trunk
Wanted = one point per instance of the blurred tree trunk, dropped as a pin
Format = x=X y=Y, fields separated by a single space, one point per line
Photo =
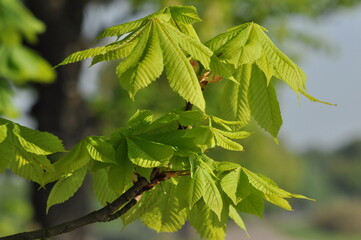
x=59 y=108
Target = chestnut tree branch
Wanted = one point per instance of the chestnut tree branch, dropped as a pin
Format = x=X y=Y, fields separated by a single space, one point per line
x=108 y=213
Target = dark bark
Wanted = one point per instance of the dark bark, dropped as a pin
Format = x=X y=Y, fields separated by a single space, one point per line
x=59 y=108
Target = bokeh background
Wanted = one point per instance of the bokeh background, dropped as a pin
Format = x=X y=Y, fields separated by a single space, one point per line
x=319 y=154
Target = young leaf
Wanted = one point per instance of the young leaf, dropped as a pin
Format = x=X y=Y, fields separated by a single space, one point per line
x=284 y=68
x=140 y=119
x=144 y=64
x=117 y=50
x=211 y=195
x=84 y=54
x=184 y=14
x=165 y=214
x=5 y=148
x=243 y=48
x=124 y=28
x=192 y=188
x=263 y=103
x=235 y=185
x=225 y=142
x=66 y=187
x=206 y=222
x=234 y=101
x=101 y=188
x=278 y=201
x=76 y=158
x=120 y=175
x=29 y=165
x=187 y=118
x=252 y=204
x=180 y=142
x=100 y=150
x=237 y=218
x=180 y=74
x=39 y=143
x=264 y=185
x=191 y=45
x=202 y=136
x=148 y=154
x=23 y=150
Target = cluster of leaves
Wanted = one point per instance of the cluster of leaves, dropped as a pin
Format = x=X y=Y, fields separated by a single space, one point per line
x=19 y=63
x=197 y=188
x=166 y=39
x=202 y=190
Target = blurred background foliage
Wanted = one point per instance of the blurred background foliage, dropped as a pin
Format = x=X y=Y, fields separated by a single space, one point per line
x=19 y=63
x=333 y=177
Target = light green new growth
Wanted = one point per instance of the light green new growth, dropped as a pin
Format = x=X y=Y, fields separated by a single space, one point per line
x=195 y=187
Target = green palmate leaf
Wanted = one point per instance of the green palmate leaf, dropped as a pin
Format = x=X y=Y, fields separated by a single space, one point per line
x=66 y=187
x=191 y=45
x=179 y=163
x=187 y=118
x=243 y=48
x=284 y=68
x=234 y=134
x=101 y=188
x=234 y=101
x=180 y=74
x=121 y=50
x=263 y=103
x=226 y=166
x=192 y=188
x=147 y=153
x=237 y=218
x=225 y=142
x=81 y=55
x=226 y=124
x=184 y=14
x=144 y=172
x=235 y=185
x=140 y=119
x=75 y=159
x=278 y=201
x=39 y=143
x=164 y=214
x=211 y=195
x=124 y=28
x=28 y=165
x=6 y=151
x=265 y=185
x=144 y=64
x=181 y=143
x=100 y=150
x=252 y=204
x=120 y=176
x=269 y=187
x=266 y=67
x=183 y=17
x=23 y=150
x=207 y=223
x=202 y=136
x=218 y=41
